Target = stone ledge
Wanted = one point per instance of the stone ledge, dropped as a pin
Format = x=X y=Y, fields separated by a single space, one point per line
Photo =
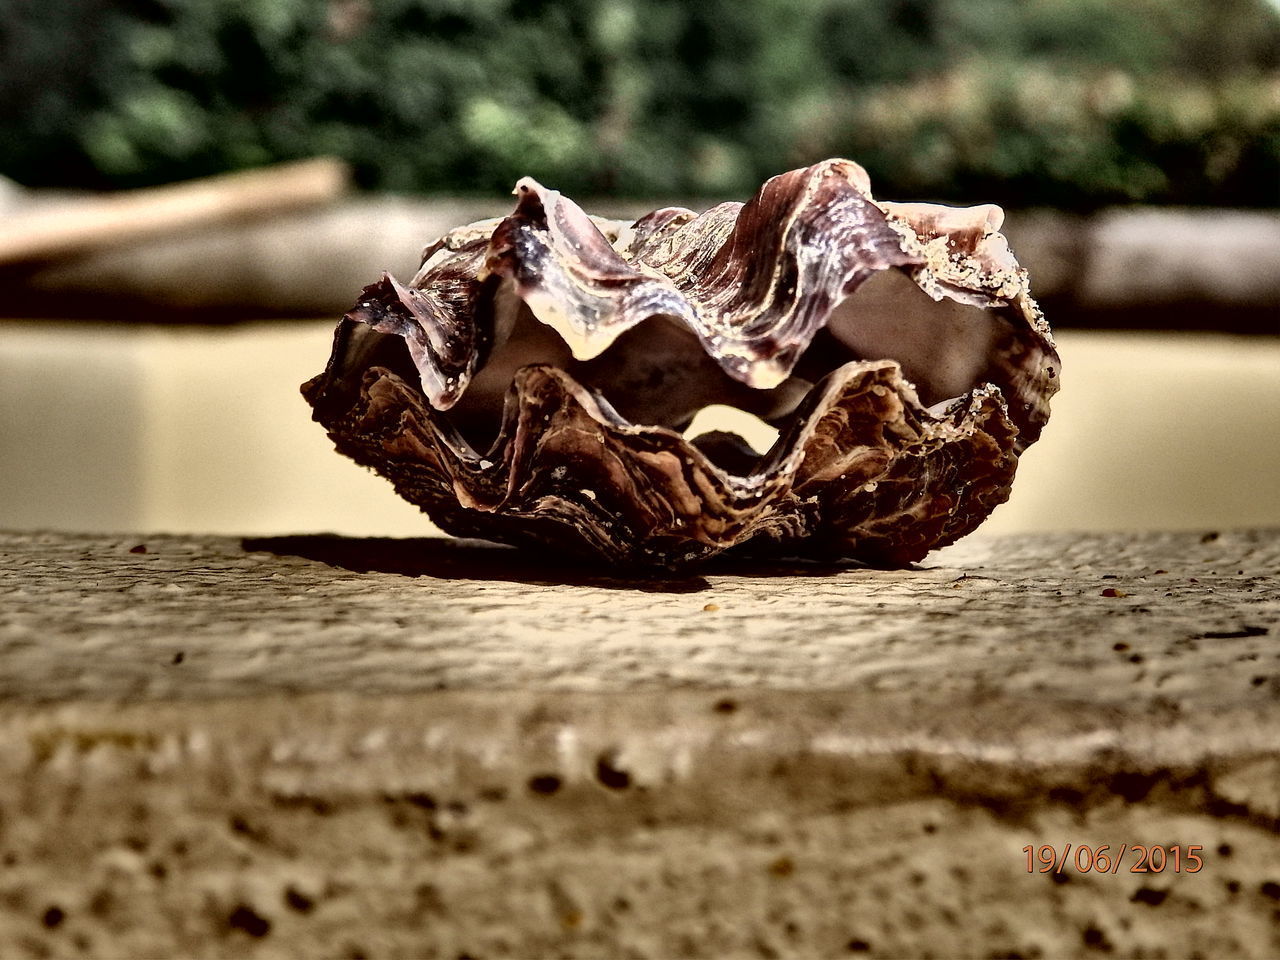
x=331 y=747
x=1118 y=619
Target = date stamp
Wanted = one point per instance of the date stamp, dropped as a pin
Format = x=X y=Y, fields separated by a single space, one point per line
x=1139 y=858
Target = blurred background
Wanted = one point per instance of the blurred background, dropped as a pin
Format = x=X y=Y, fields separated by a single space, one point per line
x=153 y=336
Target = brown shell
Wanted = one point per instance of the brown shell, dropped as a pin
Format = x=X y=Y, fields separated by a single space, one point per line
x=530 y=384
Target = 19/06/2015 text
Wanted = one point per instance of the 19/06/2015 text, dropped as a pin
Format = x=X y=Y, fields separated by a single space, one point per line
x=1176 y=858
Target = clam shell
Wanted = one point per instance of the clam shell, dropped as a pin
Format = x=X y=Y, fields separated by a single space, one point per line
x=531 y=383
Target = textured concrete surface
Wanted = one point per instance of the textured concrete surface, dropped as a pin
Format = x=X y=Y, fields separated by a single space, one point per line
x=318 y=746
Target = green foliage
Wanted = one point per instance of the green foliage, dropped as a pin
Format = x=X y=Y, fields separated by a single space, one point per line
x=1070 y=102
x=1032 y=136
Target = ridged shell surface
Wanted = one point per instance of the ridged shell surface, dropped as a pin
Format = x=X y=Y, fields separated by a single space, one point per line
x=531 y=384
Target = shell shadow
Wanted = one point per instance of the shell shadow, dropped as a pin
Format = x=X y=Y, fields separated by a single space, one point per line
x=462 y=559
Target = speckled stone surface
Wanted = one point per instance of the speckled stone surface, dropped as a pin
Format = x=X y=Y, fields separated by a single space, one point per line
x=316 y=746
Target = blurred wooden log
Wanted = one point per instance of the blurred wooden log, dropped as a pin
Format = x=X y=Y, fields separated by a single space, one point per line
x=1128 y=268
x=309 y=262
x=50 y=231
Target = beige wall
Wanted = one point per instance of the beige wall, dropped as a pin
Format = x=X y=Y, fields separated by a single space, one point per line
x=1155 y=432
x=110 y=428
x=73 y=427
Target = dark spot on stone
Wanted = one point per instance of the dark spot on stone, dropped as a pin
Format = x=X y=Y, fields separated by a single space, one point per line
x=493 y=794
x=179 y=656
x=1233 y=886
x=427 y=898
x=303 y=801
x=1068 y=795
x=295 y=899
x=1133 y=787
x=917 y=879
x=1109 y=576
x=1120 y=647
x=725 y=706
x=1224 y=850
x=782 y=867
x=1095 y=939
x=1060 y=877
x=419 y=799
x=857 y=945
x=544 y=783
x=1152 y=898
x=249 y=920
x=1209 y=537
x=608 y=773
x=1137 y=658
x=1241 y=634
x=53 y=917
x=1113 y=593
x=240 y=825
x=1258 y=681
x=140 y=548
x=1270 y=889
x=621 y=904
x=930 y=828
x=159 y=870
x=102 y=902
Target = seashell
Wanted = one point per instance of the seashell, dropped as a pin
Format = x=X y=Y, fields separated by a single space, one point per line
x=531 y=384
